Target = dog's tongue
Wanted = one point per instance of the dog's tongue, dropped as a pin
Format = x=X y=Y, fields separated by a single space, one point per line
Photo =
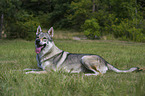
x=38 y=49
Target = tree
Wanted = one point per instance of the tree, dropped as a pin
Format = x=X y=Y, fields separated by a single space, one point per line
x=8 y=11
x=58 y=16
x=1 y=26
x=107 y=15
x=37 y=7
x=81 y=10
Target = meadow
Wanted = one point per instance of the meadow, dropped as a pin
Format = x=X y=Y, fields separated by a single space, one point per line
x=16 y=55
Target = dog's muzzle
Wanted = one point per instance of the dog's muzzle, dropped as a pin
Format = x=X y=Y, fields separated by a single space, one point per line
x=39 y=47
x=37 y=41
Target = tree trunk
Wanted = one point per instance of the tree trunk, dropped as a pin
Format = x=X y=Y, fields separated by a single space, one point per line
x=1 y=26
x=93 y=6
x=136 y=12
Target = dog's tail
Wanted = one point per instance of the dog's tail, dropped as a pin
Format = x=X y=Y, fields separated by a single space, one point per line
x=110 y=67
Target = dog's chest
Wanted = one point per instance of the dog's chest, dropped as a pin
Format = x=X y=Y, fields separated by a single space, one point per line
x=52 y=62
x=47 y=64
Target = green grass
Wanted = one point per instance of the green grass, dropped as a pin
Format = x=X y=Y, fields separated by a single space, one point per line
x=16 y=55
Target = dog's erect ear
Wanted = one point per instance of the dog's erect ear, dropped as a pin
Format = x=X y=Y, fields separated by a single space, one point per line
x=38 y=30
x=51 y=32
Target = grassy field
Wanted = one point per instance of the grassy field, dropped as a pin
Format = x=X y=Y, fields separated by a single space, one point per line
x=16 y=55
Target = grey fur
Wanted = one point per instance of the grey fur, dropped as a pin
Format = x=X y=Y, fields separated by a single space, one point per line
x=49 y=57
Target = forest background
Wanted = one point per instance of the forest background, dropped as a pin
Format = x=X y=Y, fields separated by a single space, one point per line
x=123 y=19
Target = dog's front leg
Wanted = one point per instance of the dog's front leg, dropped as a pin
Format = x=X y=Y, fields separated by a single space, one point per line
x=38 y=61
x=36 y=72
x=29 y=69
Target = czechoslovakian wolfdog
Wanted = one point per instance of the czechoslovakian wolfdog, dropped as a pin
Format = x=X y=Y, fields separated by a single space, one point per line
x=50 y=57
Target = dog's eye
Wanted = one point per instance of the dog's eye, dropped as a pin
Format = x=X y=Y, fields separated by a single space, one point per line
x=44 y=39
x=37 y=37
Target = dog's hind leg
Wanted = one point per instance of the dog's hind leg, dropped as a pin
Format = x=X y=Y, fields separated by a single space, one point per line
x=95 y=72
x=91 y=63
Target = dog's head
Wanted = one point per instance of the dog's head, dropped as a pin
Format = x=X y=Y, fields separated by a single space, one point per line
x=43 y=40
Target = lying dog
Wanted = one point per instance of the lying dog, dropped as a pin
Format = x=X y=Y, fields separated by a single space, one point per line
x=49 y=57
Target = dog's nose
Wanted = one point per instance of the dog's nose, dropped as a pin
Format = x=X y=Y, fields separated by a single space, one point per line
x=37 y=41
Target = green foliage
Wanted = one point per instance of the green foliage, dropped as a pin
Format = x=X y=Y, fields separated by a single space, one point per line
x=58 y=15
x=91 y=29
x=44 y=20
x=9 y=8
x=127 y=31
x=27 y=30
x=110 y=14
x=24 y=27
x=81 y=11
x=72 y=14
x=105 y=21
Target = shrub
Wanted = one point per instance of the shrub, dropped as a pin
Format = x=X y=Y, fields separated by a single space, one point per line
x=24 y=26
x=44 y=20
x=91 y=29
x=24 y=30
x=127 y=30
x=136 y=34
x=28 y=29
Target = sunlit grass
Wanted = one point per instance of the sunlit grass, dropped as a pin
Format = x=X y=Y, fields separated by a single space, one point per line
x=16 y=55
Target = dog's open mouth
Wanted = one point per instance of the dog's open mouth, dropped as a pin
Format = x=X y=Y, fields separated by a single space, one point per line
x=39 y=48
